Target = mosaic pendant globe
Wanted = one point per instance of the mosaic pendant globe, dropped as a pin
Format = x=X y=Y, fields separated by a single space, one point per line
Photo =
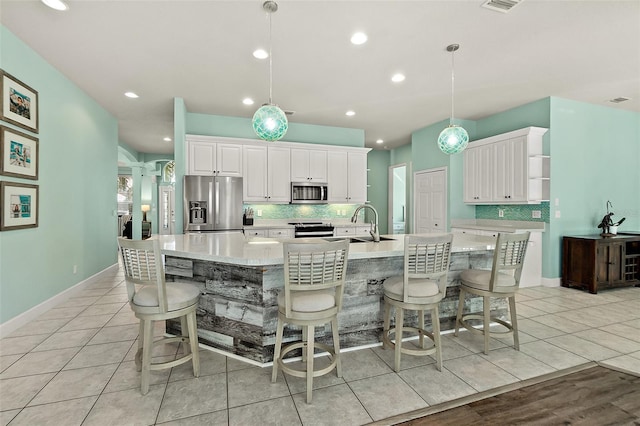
x=270 y=123
x=453 y=139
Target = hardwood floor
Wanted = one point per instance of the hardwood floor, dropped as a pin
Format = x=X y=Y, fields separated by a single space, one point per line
x=595 y=396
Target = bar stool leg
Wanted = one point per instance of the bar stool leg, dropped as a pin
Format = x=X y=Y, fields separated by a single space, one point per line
x=310 y=351
x=435 y=320
x=336 y=346
x=399 y=329
x=421 y=327
x=277 y=348
x=460 y=309
x=486 y=306
x=514 y=322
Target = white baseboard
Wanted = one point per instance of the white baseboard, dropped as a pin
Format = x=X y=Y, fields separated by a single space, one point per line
x=551 y=282
x=19 y=320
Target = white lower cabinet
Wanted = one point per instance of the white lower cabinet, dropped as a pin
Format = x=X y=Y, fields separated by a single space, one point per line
x=352 y=231
x=280 y=233
x=255 y=232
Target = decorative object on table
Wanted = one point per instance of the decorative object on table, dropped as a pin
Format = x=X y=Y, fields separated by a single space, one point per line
x=19 y=102
x=608 y=226
x=19 y=156
x=19 y=203
x=145 y=208
x=453 y=139
x=269 y=121
x=247 y=217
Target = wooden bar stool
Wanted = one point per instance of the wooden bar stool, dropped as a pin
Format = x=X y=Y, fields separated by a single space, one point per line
x=421 y=288
x=152 y=299
x=503 y=280
x=314 y=275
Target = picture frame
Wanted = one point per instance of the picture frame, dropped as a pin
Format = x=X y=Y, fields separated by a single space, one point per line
x=19 y=154
x=19 y=103
x=19 y=204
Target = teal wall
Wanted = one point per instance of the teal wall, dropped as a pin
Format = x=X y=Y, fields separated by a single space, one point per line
x=240 y=127
x=78 y=143
x=595 y=157
x=179 y=131
x=531 y=114
x=378 y=191
x=426 y=155
x=403 y=155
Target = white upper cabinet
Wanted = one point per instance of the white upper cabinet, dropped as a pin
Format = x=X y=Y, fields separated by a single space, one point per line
x=266 y=174
x=268 y=169
x=279 y=175
x=479 y=174
x=308 y=165
x=507 y=169
x=254 y=181
x=347 y=177
x=210 y=158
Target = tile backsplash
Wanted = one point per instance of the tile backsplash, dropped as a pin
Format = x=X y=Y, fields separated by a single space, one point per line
x=344 y=211
x=514 y=212
x=301 y=211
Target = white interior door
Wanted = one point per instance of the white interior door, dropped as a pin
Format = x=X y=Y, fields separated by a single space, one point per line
x=430 y=201
x=166 y=210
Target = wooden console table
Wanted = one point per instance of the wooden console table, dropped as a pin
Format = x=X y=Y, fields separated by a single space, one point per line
x=593 y=262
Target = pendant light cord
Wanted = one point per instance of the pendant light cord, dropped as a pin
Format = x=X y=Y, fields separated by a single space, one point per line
x=270 y=62
x=452 y=86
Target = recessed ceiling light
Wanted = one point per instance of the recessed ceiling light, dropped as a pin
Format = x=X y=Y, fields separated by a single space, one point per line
x=359 y=38
x=131 y=95
x=379 y=141
x=350 y=113
x=56 y=4
x=397 y=78
x=260 y=54
x=247 y=101
x=167 y=139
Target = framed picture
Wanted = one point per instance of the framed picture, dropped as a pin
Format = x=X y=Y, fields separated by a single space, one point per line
x=19 y=202
x=19 y=102
x=18 y=154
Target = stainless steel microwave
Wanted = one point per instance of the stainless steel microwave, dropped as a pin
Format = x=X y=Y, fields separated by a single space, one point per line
x=308 y=193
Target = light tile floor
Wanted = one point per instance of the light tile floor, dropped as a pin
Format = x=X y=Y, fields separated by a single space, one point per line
x=74 y=365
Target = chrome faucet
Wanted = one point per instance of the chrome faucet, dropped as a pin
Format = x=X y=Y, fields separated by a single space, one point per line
x=374 y=232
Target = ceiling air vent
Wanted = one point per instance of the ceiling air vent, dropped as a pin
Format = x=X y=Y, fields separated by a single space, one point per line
x=618 y=100
x=501 y=5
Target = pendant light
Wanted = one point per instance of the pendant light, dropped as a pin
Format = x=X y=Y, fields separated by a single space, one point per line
x=453 y=139
x=269 y=121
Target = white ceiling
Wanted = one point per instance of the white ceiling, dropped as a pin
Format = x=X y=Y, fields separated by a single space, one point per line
x=201 y=51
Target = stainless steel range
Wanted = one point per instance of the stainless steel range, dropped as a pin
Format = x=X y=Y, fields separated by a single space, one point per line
x=312 y=229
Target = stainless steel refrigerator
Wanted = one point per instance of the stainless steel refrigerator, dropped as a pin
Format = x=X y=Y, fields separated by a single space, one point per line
x=212 y=203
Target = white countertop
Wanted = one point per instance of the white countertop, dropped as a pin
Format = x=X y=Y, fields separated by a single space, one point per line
x=235 y=248
x=498 y=225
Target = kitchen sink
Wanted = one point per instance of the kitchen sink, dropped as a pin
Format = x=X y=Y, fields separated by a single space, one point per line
x=369 y=239
x=358 y=239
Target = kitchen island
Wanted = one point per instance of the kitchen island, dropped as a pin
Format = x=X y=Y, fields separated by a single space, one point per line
x=240 y=277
